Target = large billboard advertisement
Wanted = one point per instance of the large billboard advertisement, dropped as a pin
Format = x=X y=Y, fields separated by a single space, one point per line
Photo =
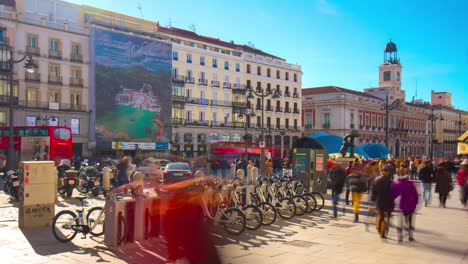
x=132 y=87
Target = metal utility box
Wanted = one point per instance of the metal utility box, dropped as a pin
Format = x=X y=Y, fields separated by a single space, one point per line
x=310 y=166
x=144 y=212
x=37 y=193
x=114 y=210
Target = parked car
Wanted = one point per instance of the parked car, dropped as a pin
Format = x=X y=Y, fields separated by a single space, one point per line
x=177 y=171
x=152 y=168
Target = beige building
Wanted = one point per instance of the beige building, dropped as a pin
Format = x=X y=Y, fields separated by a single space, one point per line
x=57 y=92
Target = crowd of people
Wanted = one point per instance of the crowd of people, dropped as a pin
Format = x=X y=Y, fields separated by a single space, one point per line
x=387 y=180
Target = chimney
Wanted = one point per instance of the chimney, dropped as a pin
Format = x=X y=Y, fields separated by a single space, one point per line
x=65 y=26
x=43 y=21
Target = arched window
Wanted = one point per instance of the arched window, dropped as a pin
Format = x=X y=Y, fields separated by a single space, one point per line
x=201 y=138
x=214 y=137
x=188 y=138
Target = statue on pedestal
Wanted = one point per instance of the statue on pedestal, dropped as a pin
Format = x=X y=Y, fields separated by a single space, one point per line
x=348 y=141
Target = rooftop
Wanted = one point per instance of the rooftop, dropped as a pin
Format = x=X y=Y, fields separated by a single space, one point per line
x=335 y=89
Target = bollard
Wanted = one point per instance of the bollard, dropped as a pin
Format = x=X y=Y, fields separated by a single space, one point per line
x=240 y=174
x=249 y=174
x=233 y=170
x=254 y=175
x=199 y=173
x=106 y=176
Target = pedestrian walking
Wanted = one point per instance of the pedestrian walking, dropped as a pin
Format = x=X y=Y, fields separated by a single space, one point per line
x=405 y=189
x=357 y=185
x=123 y=166
x=381 y=195
x=462 y=179
x=269 y=167
x=426 y=175
x=337 y=182
x=443 y=182
x=348 y=172
x=224 y=167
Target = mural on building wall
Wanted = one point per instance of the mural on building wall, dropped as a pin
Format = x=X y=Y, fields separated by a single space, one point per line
x=132 y=87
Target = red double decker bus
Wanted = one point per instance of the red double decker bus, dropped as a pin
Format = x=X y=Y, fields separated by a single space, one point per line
x=38 y=142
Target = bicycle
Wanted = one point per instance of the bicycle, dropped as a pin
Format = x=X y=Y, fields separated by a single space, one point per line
x=268 y=210
x=232 y=219
x=285 y=206
x=252 y=213
x=67 y=224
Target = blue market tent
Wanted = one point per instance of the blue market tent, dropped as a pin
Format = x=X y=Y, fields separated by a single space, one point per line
x=376 y=150
x=333 y=143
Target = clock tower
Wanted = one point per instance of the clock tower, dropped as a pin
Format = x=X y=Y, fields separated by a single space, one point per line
x=390 y=72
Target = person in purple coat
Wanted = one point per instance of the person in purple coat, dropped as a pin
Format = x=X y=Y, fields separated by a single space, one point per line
x=405 y=188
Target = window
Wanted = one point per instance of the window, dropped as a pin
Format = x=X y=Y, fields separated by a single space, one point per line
x=201 y=117
x=175 y=72
x=54 y=45
x=237 y=67
x=398 y=76
x=351 y=117
x=277 y=74
x=373 y=121
x=30 y=121
x=188 y=115
x=308 y=120
x=295 y=77
x=360 y=120
x=202 y=60
x=214 y=63
x=326 y=120
x=268 y=72
x=248 y=68
x=75 y=126
x=54 y=96
x=76 y=73
x=286 y=76
x=188 y=93
x=175 y=55
x=386 y=76
x=202 y=76
x=32 y=97
x=62 y=133
x=2 y=118
x=189 y=58
x=259 y=70
x=75 y=100
x=54 y=70
x=76 y=48
x=278 y=123
x=367 y=120
x=226 y=65
x=32 y=41
x=286 y=123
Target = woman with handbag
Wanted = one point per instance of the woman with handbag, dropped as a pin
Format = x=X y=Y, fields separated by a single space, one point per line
x=443 y=182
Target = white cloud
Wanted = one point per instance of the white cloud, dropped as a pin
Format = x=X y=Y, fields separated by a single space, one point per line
x=324 y=7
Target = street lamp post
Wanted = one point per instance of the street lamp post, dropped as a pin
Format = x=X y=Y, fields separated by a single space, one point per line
x=262 y=94
x=9 y=62
x=433 y=118
x=246 y=137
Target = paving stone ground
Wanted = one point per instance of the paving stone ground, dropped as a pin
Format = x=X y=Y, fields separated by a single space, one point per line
x=441 y=237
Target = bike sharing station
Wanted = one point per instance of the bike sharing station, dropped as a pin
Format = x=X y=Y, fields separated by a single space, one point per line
x=37 y=193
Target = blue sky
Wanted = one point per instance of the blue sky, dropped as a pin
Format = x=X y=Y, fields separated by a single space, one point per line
x=336 y=42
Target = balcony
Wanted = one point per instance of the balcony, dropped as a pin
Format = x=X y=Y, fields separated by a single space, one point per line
x=258 y=107
x=76 y=58
x=221 y=103
x=295 y=111
x=279 y=109
x=287 y=94
x=73 y=107
x=214 y=83
x=177 y=121
x=190 y=80
x=287 y=110
x=32 y=77
x=269 y=108
x=55 y=54
x=203 y=82
x=196 y=123
x=5 y=100
x=54 y=79
x=33 y=51
x=4 y=41
x=220 y=124
x=199 y=101
x=178 y=78
x=4 y=66
x=76 y=82
x=238 y=104
x=226 y=85
x=178 y=98
x=295 y=95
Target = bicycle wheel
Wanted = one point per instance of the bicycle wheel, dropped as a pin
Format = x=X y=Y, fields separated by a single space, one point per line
x=96 y=216
x=287 y=209
x=121 y=229
x=311 y=202
x=320 y=200
x=301 y=204
x=268 y=213
x=62 y=226
x=253 y=217
x=233 y=221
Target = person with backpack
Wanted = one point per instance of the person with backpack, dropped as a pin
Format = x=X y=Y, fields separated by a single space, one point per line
x=357 y=185
x=337 y=182
x=426 y=175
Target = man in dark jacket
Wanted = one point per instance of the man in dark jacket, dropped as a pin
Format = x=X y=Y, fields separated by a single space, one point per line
x=337 y=181
x=381 y=194
x=426 y=175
